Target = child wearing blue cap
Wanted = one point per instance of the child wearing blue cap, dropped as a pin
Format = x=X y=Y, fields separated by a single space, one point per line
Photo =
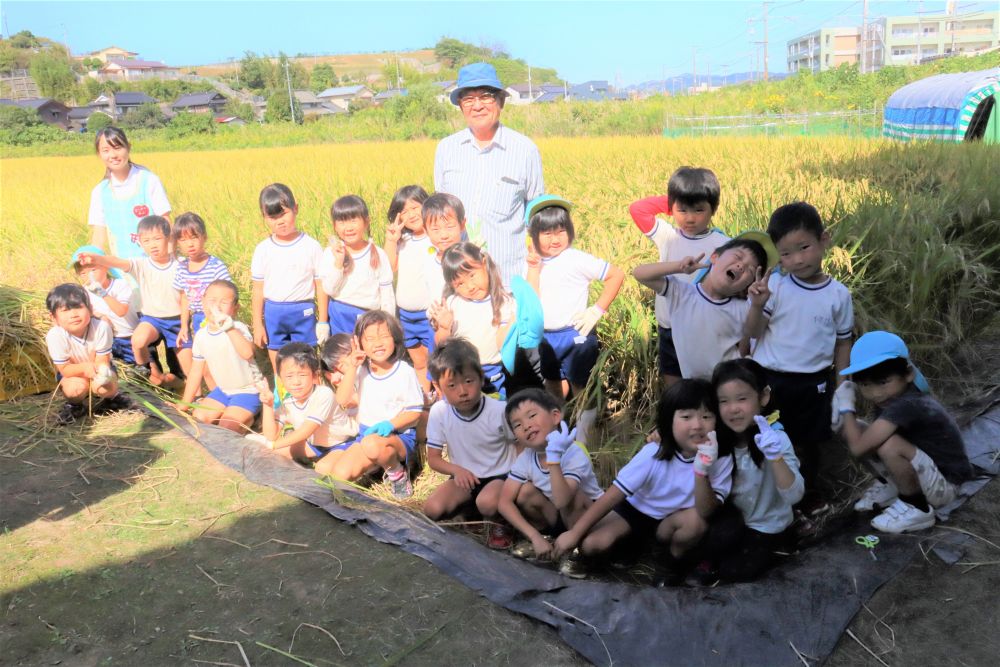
x=111 y=298
x=913 y=443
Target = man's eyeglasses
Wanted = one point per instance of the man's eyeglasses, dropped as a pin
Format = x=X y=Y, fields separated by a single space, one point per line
x=487 y=99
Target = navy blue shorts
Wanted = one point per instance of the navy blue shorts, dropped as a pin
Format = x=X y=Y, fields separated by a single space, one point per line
x=319 y=451
x=249 y=402
x=289 y=322
x=121 y=349
x=343 y=316
x=669 y=365
x=409 y=438
x=416 y=329
x=568 y=355
x=167 y=327
x=643 y=526
x=197 y=317
x=494 y=380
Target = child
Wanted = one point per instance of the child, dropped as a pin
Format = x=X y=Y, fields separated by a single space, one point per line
x=340 y=358
x=408 y=246
x=389 y=402
x=552 y=482
x=692 y=200
x=444 y=220
x=80 y=348
x=668 y=491
x=111 y=298
x=194 y=275
x=161 y=309
x=476 y=307
x=802 y=320
x=562 y=275
x=914 y=444
x=708 y=315
x=355 y=273
x=472 y=426
x=226 y=349
x=307 y=407
x=766 y=479
x=286 y=281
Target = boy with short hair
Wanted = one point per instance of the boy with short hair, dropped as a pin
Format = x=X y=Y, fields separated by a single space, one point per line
x=913 y=443
x=111 y=298
x=161 y=306
x=226 y=348
x=708 y=314
x=79 y=345
x=692 y=200
x=552 y=482
x=472 y=425
x=444 y=222
x=802 y=320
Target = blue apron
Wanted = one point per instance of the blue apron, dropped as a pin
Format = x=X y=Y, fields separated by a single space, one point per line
x=122 y=217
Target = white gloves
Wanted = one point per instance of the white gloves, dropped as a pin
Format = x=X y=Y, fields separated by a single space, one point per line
x=558 y=442
x=103 y=376
x=322 y=332
x=259 y=439
x=585 y=321
x=844 y=400
x=217 y=321
x=706 y=456
x=768 y=441
x=95 y=288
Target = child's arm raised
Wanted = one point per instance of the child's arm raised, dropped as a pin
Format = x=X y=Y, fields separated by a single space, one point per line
x=107 y=261
x=393 y=232
x=788 y=480
x=572 y=537
x=644 y=212
x=508 y=510
x=347 y=392
x=759 y=293
x=705 y=499
x=654 y=275
x=557 y=442
x=442 y=319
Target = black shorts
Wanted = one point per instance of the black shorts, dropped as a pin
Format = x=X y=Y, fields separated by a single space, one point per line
x=483 y=481
x=643 y=526
x=804 y=401
x=669 y=365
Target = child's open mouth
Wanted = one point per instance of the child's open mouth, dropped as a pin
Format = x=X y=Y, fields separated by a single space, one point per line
x=732 y=275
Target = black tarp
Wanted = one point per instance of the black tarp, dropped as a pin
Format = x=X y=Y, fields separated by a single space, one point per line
x=807 y=602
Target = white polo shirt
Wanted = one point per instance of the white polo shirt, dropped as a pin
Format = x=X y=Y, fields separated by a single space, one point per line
x=658 y=488
x=412 y=292
x=289 y=270
x=364 y=287
x=383 y=396
x=121 y=291
x=65 y=348
x=482 y=443
x=564 y=285
x=320 y=408
x=434 y=276
x=229 y=370
x=156 y=286
x=675 y=245
x=575 y=464
x=474 y=322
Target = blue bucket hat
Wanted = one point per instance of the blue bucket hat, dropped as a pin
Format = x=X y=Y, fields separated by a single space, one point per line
x=877 y=346
x=93 y=250
x=475 y=75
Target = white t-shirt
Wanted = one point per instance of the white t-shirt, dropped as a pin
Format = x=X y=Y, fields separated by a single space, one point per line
x=674 y=245
x=434 y=276
x=229 y=370
x=412 y=291
x=155 y=194
x=658 y=488
x=336 y=425
x=575 y=464
x=156 y=286
x=705 y=331
x=474 y=322
x=65 y=348
x=482 y=443
x=121 y=291
x=289 y=270
x=382 y=397
x=765 y=507
x=364 y=287
x=806 y=321
x=564 y=285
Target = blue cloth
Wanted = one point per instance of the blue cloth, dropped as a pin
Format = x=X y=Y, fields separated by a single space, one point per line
x=121 y=349
x=567 y=354
x=416 y=329
x=475 y=75
x=249 y=402
x=343 y=316
x=167 y=327
x=289 y=322
x=383 y=428
x=528 y=328
x=494 y=380
x=938 y=107
x=409 y=438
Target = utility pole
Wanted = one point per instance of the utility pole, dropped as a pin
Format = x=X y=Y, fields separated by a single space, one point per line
x=694 y=68
x=920 y=31
x=399 y=79
x=864 y=36
x=291 y=98
x=765 y=42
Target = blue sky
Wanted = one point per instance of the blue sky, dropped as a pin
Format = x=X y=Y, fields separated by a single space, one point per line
x=625 y=41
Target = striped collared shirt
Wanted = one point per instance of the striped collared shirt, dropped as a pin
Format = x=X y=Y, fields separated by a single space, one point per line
x=494 y=184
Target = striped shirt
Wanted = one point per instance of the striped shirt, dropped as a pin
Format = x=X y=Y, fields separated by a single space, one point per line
x=494 y=184
x=194 y=283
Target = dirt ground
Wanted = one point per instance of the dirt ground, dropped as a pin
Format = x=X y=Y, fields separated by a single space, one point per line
x=128 y=544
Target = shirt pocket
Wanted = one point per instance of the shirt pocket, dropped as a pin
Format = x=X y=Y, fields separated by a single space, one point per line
x=507 y=198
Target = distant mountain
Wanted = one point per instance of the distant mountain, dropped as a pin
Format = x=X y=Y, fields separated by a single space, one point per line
x=684 y=81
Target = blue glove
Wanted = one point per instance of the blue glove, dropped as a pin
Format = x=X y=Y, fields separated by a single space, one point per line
x=383 y=428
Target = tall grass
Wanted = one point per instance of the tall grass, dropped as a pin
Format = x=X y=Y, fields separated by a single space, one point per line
x=916 y=229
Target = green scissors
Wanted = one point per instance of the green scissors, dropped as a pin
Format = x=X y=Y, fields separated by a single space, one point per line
x=868 y=542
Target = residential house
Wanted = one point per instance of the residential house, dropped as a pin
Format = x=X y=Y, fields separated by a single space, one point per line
x=312 y=105
x=118 y=104
x=49 y=110
x=135 y=70
x=110 y=52
x=444 y=90
x=550 y=93
x=593 y=91
x=522 y=93
x=823 y=49
x=77 y=117
x=386 y=95
x=342 y=96
x=210 y=102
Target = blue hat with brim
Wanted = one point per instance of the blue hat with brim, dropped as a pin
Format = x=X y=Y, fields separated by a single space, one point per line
x=528 y=329
x=93 y=250
x=475 y=75
x=543 y=202
x=876 y=347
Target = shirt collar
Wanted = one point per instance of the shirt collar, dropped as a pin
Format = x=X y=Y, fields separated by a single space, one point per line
x=497 y=141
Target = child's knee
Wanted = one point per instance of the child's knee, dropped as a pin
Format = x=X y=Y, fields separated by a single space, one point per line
x=488 y=500
x=206 y=416
x=529 y=497
x=896 y=446
x=75 y=388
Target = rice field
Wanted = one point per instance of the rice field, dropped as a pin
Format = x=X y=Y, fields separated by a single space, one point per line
x=916 y=229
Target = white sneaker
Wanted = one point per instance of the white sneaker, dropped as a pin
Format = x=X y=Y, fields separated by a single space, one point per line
x=902 y=517
x=878 y=493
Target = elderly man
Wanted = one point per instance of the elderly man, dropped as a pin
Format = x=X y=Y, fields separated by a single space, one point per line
x=491 y=168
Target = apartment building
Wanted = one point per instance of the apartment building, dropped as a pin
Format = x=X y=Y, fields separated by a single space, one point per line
x=822 y=49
